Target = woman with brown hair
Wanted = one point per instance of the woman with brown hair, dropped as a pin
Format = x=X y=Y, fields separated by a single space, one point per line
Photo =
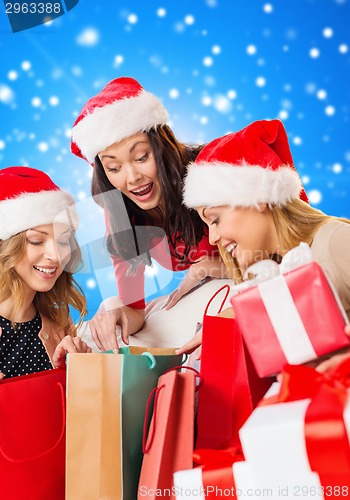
x=139 y=167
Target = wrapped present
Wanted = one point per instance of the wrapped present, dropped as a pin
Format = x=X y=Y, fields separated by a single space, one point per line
x=212 y=479
x=290 y=313
x=300 y=436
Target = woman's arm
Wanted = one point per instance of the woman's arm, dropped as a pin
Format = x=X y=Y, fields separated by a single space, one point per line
x=207 y=266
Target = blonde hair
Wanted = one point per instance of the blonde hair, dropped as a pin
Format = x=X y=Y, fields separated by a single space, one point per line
x=54 y=304
x=295 y=222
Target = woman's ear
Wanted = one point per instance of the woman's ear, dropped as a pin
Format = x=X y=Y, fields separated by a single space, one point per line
x=262 y=207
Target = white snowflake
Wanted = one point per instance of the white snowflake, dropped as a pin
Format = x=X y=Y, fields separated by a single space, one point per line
x=89 y=37
x=329 y=110
x=251 y=50
x=315 y=197
x=314 y=53
x=260 y=81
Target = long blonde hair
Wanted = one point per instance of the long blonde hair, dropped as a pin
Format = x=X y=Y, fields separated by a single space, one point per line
x=297 y=221
x=54 y=304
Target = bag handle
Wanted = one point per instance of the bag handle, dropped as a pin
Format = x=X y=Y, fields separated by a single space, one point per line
x=147 y=441
x=213 y=297
x=153 y=360
x=180 y=367
x=61 y=435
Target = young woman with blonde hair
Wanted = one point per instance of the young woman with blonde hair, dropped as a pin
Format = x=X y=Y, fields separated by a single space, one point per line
x=38 y=255
x=246 y=189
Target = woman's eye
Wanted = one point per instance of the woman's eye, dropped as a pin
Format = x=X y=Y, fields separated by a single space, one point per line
x=32 y=242
x=113 y=169
x=142 y=158
x=215 y=221
x=64 y=243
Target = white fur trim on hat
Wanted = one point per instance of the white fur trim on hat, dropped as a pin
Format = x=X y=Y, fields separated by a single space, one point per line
x=216 y=184
x=35 y=209
x=114 y=122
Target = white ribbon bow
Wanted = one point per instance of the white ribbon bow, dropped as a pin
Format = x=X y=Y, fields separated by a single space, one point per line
x=279 y=304
x=267 y=269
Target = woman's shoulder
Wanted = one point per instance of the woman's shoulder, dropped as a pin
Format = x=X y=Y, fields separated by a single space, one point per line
x=330 y=245
x=335 y=231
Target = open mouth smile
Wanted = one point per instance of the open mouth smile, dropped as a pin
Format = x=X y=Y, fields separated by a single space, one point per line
x=143 y=192
x=231 y=247
x=47 y=271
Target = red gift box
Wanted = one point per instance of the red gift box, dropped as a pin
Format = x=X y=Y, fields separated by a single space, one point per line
x=300 y=436
x=291 y=318
x=212 y=479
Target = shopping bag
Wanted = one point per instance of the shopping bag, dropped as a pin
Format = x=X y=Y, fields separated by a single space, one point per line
x=32 y=436
x=168 y=447
x=106 y=400
x=230 y=388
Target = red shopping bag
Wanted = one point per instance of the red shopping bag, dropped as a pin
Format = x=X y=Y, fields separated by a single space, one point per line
x=231 y=387
x=32 y=436
x=169 y=445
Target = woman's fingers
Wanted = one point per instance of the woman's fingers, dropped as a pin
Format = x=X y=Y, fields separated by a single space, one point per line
x=103 y=329
x=69 y=345
x=332 y=362
x=192 y=345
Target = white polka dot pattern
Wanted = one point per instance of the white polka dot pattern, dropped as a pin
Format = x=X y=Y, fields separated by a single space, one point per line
x=21 y=350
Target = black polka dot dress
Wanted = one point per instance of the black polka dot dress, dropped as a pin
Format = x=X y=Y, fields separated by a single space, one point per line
x=21 y=350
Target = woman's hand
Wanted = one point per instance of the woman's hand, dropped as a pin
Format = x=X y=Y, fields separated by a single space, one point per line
x=192 y=345
x=336 y=359
x=68 y=344
x=208 y=266
x=112 y=314
x=104 y=324
x=196 y=341
x=1 y=375
x=189 y=282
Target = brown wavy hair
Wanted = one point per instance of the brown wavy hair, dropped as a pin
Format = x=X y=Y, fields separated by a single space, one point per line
x=180 y=224
x=54 y=304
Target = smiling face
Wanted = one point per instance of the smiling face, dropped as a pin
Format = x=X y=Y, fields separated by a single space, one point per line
x=130 y=166
x=248 y=234
x=47 y=250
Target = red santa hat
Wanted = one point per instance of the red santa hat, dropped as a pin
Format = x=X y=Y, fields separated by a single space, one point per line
x=121 y=109
x=245 y=168
x=29 y=198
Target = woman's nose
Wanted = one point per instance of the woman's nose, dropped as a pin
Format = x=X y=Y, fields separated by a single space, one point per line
x=51 y=251
x=133 y=174
x=214 y=237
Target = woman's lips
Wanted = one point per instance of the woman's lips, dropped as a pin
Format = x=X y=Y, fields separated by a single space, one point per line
x=46 y=272
x=143 y=193
x=231 y=247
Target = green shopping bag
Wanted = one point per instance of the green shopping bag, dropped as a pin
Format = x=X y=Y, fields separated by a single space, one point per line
x=106 y=401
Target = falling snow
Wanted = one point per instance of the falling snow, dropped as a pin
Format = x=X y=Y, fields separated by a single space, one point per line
x=214 y=65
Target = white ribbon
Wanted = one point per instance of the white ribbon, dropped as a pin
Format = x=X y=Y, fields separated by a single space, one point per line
x=278 y=301
x=267 y=269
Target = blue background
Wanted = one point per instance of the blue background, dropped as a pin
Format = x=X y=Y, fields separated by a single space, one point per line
x=216 y=65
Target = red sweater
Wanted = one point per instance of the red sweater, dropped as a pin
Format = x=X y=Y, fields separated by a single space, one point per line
x=131 y=288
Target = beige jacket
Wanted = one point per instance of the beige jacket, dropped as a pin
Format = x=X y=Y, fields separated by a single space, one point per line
x=331 y=249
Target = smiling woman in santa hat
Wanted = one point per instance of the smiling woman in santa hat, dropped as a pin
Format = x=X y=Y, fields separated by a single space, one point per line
x=246 y=189
x=122 y=131
x=38 y=255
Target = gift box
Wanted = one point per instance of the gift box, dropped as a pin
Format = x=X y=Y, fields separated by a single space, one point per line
x=300 y=436
x=290 y=313
x=212 y=479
